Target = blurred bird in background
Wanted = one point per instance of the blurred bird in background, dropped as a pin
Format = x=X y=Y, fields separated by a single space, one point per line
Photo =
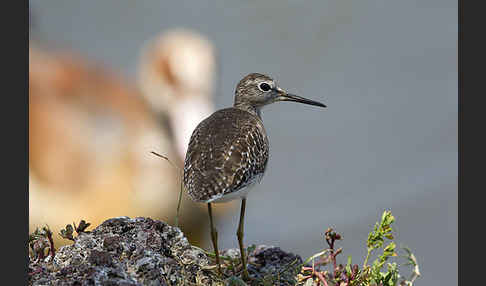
x=91 y=132
x=176 y=76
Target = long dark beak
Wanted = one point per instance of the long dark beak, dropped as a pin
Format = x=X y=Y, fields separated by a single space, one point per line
x=284 y=96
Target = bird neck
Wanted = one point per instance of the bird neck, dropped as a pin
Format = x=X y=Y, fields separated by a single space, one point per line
x=249 y=108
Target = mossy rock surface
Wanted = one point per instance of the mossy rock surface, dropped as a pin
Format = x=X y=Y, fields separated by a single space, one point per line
x=142 y=251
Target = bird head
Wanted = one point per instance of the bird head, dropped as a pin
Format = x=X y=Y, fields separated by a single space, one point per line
x=256 y=90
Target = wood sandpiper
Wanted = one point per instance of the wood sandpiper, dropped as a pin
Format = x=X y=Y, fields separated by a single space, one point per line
x=228 y=151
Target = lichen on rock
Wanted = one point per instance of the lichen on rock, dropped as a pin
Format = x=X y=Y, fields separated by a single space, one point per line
x=142 y=251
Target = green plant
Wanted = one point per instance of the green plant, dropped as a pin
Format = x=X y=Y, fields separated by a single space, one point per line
x=326 y=271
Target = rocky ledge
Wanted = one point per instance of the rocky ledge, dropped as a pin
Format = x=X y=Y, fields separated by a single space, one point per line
x=142 y=251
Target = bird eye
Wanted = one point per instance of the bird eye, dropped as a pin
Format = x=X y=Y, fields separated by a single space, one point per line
x=264 y=87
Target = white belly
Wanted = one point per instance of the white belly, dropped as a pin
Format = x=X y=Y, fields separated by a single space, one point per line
x=240 y=194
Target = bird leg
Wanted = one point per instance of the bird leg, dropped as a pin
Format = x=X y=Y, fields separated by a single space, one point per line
x=239 y=233
x=214 y=237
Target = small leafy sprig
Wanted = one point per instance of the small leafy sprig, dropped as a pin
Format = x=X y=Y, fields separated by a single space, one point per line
x=317 y=274
x=375 y=241
x=39 y=241
x=67 y=232
x=376 y=238
x=412 y=261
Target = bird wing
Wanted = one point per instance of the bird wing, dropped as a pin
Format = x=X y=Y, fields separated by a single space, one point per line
x=227 y=151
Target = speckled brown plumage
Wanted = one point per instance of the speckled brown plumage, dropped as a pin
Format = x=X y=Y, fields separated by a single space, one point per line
x=227 y=151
